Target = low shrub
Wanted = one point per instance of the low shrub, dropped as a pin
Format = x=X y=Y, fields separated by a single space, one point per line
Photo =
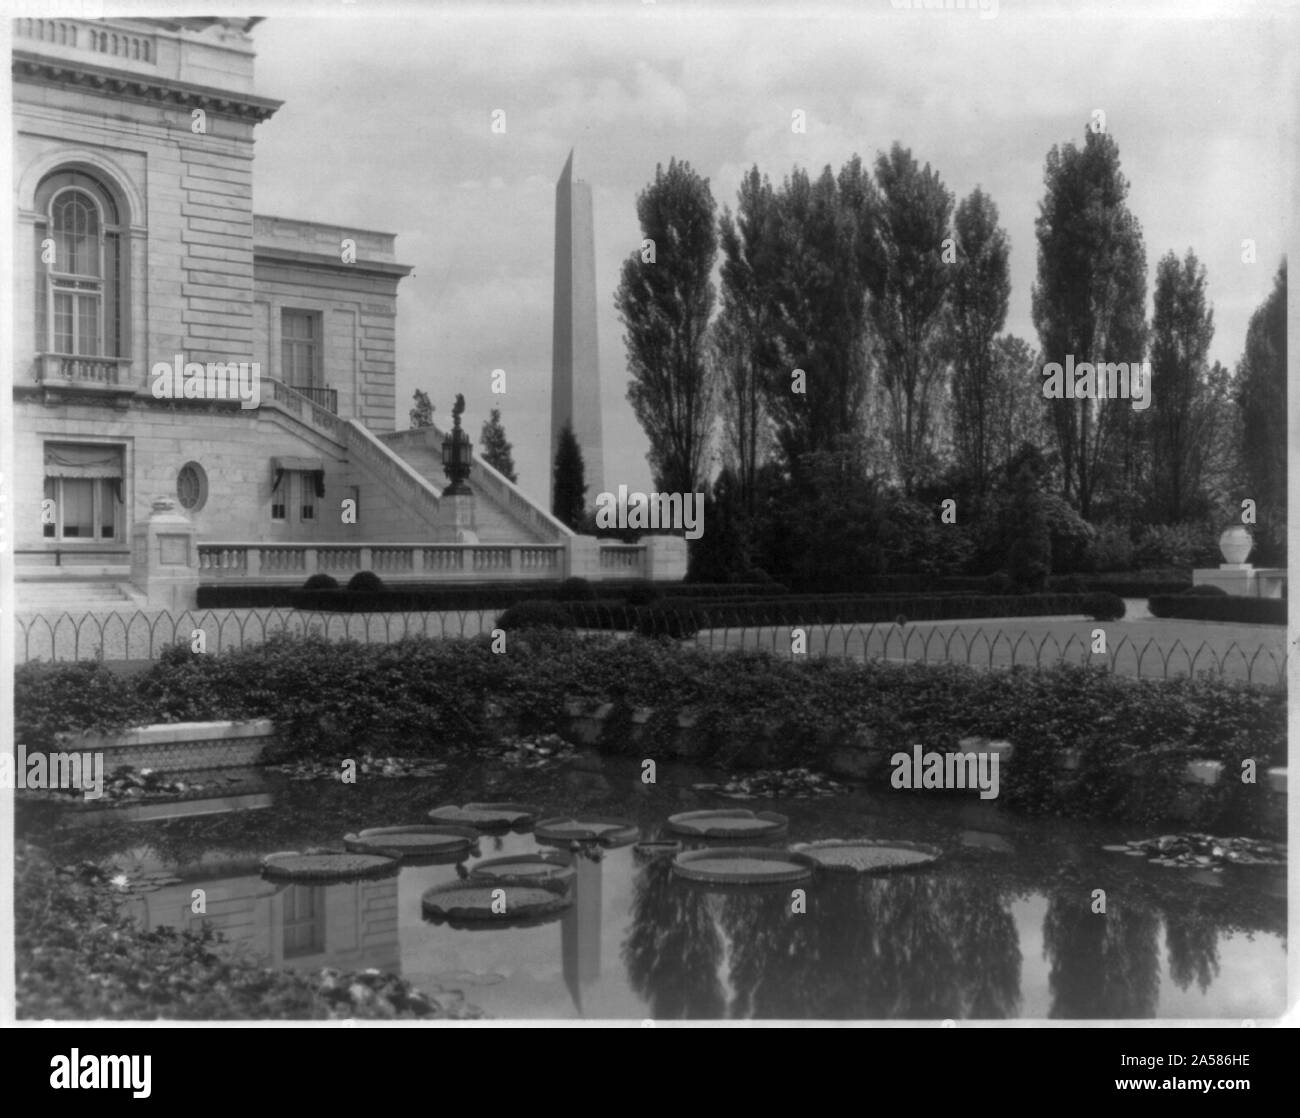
x=71 y=695
x=1205 y=591
x=535 y=615
x=321 y=581
x=1104 y=607
x=1230 y=607
x=366 y=582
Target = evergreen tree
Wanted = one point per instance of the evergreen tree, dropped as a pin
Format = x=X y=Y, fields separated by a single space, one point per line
x=569 y=484
x=497 y=451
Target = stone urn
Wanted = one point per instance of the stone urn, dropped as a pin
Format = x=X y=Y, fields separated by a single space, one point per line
x=1235 y=544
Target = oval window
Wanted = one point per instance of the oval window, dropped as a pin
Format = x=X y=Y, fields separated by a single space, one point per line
x=192 y=487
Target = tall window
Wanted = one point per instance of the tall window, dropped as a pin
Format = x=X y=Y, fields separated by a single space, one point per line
x=299 y=347
x=80 y=269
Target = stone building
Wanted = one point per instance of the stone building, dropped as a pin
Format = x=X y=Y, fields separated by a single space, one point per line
x=173 y=346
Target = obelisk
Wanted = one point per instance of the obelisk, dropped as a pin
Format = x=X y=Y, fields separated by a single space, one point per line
x=575 y=365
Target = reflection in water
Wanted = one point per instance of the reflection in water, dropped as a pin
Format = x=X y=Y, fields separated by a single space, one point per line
x=580 y=928
x=674 y=947
x=1103 y=965
x=1193 y=944
x=871 y=948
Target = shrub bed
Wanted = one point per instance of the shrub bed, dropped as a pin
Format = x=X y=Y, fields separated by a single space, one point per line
x=749 y=708
x=80 y=957
x=1199 y=607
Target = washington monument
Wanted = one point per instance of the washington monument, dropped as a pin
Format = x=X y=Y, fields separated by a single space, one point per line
x=575 y=366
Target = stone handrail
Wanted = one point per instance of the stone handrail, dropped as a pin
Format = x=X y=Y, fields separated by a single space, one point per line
x=423 y=495
x=626 y=558
x=503 y=492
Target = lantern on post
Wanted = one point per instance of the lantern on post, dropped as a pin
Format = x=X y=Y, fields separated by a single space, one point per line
x=457 y=453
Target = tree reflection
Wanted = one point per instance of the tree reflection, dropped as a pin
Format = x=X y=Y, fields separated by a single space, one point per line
x=876 y=947
x=674 y=947
x=1103 y=965
x=1192 y=940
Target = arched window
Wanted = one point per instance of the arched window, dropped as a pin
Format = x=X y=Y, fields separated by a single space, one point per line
x=81 y=268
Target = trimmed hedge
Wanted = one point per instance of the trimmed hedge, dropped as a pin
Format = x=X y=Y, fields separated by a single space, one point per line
x=1195 y=607
x=418 y=598
x=669 y=617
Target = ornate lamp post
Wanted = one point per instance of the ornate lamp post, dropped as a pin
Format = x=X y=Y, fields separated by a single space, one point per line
x=457 y=453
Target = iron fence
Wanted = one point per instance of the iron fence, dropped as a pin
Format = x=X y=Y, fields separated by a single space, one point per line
x=143 y=636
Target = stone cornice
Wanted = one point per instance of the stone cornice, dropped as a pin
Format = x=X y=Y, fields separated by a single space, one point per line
x=272 y=254
x=28 y=66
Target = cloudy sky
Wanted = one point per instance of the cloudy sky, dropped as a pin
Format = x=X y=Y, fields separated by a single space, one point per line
x=386 y=125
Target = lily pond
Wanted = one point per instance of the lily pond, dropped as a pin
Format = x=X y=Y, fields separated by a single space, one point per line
x=1002 y=925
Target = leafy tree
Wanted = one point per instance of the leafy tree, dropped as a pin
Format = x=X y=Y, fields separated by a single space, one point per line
x=981 y=289
x=907 y=308
x=422 y=413
x=665 y=305
x=1089 y=300
x=1017 y=414
x=1183 y=413
x=568 y=485
x=825 y=255
x=1261 y=399
x=497 y=451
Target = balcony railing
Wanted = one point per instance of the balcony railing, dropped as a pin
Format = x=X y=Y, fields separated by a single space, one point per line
x=322 y=397
x=396 y=562
x=96 y=374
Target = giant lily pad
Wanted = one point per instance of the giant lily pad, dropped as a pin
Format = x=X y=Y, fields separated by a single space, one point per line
x=492 y=904
x=604 y=829
x=868 y=855
x=486 y=817
x=733 y=823
x=419 y=841
x=326 y=866
x=524 y=869
x=744 y=865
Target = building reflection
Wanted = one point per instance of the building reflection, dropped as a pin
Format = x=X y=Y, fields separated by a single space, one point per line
x=351 y=925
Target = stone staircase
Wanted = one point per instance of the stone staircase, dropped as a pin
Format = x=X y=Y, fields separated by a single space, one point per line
x=54 y=591
x=493 y=524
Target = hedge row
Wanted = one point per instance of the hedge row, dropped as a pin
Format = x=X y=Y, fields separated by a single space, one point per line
x=419 y=597
x=1194 y=607
x=426 y=697
x=684 y=619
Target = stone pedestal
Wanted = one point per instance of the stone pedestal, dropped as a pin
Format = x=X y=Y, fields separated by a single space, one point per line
x=164 y=558
x=458 y=522
x=583 y=559
x=1243 y=578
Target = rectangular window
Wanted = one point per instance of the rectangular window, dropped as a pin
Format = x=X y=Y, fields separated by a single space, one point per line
x=299 y=347
x=84 y=482
x=280 y=498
